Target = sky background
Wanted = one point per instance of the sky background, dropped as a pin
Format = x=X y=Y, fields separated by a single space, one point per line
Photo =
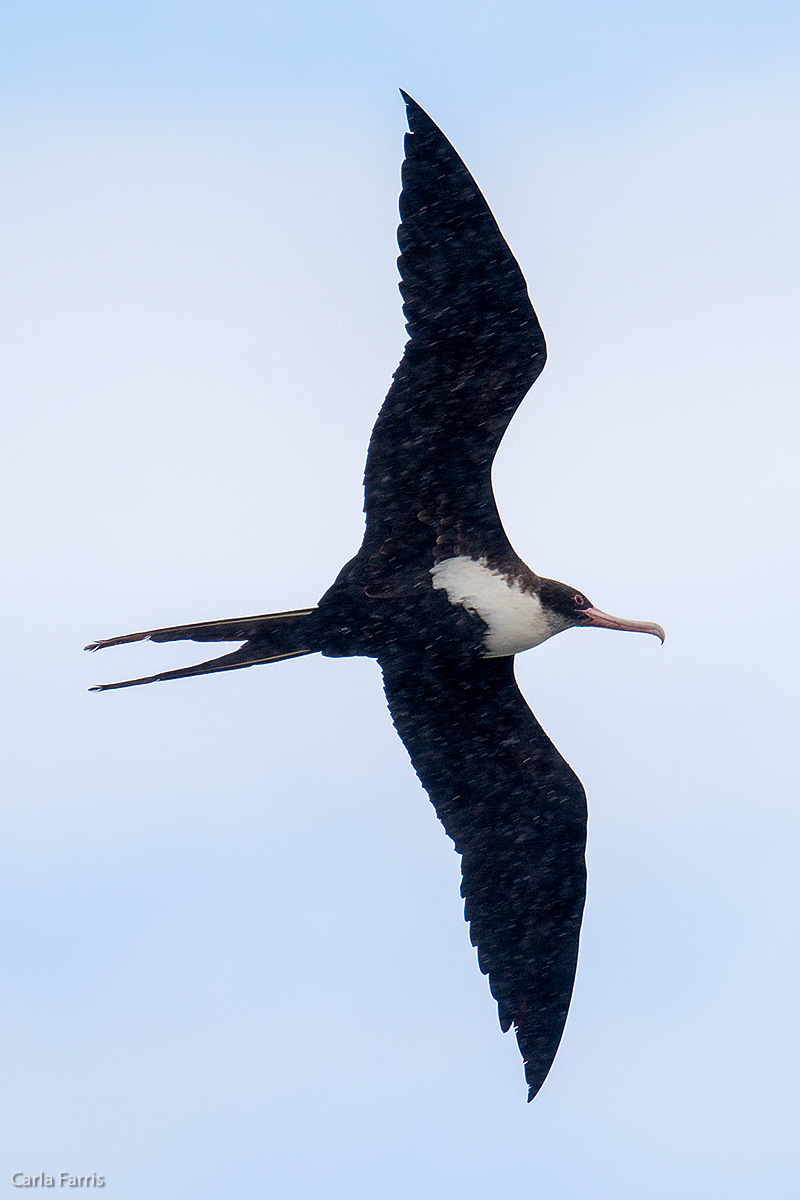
x=233 y=953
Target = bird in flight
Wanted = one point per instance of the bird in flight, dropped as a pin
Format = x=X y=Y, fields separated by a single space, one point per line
x=438 y=596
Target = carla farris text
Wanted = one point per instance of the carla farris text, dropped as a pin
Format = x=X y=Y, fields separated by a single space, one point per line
x=60 y=1179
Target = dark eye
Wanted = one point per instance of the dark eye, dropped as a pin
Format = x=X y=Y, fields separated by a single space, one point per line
x=579 y=600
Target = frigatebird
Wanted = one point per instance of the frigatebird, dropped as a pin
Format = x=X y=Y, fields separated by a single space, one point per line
x=438 y=596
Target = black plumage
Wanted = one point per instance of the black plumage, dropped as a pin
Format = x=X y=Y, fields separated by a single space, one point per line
x=475 y=348
x=513 y=807
x=517 y=815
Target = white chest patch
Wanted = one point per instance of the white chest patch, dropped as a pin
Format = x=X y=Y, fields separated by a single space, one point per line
x=515 y=620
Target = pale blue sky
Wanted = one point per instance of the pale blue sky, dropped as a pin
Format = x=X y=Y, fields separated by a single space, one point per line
x=233 y=958
x=581 y=55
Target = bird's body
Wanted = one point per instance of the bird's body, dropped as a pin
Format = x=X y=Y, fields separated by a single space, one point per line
x=438 y=596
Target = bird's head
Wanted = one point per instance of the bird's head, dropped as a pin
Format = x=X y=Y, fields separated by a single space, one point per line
x=570 y=607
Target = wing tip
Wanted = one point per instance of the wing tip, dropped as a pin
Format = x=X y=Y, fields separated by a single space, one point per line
x=535 y=1082
x=418 y=119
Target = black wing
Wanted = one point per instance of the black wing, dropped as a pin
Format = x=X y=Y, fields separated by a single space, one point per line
x=475 y=349
x=517 y=815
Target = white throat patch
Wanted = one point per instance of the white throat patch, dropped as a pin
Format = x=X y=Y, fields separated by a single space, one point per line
x=516 y=620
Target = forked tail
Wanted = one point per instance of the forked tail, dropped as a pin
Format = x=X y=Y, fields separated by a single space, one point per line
x=267 y=638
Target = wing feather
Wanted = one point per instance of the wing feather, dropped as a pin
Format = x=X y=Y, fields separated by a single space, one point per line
x=475 y=348
x=517 y=815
